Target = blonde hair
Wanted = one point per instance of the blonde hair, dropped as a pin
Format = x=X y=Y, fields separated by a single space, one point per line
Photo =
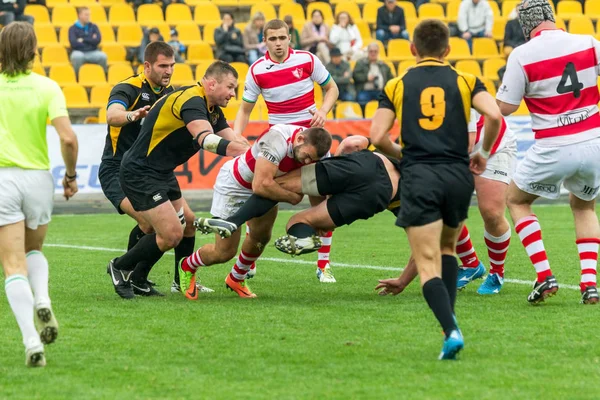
x=18 y=47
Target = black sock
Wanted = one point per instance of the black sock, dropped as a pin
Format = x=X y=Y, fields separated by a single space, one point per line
x=254 y=207
x=449 y=276
x=184 y=249
x=146 y=250
x=436 y=294
x=134 y=236
x=141 y=272
x=301 y=230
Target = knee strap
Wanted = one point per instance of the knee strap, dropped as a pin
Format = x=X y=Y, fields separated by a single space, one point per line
x=308 y=176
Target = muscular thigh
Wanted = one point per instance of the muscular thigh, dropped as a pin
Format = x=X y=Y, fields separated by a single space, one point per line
x=163 y=218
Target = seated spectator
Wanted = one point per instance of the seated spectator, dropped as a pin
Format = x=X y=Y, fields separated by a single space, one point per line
x=475 y=20
x=342 y=75
x=513 y=33
x=253 y=38
x=315 y=37
x=370 y=76
x=294 y=34
x=346 y=37
x=150 y=36
x=84 y=37
x=12 y=10
x=228 y=38
x=178 y=47
x=391 y=23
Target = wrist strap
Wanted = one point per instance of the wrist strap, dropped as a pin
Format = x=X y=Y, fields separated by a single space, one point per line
x=484 y=154
x=130 y=116
x=70 y=178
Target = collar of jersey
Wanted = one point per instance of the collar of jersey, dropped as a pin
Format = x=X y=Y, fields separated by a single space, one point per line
x=431 y=62
x=210 y=109
x=290 y=52
x=545 y=30
x=146 y=80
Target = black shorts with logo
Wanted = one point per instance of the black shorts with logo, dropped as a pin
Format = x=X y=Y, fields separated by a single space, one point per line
x=146 y=188
x=108 y=174
x=358 y=183
x=430 y=192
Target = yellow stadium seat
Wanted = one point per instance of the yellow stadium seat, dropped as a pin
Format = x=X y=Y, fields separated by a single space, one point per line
x=53 y=55
x=241 y=68
x=182 y=75
x=489 y=85
x=484 y=48
x=39 y=13
x=206 y=12
x=76 y=96
x=108 y=3
x=404 y=65
x=259 y=111
x=469 y=66
x=560 y=23
x=199 y=52
x=107 y=32
x=97 y=12
x=581 y=25
x=208 y=34
x=398 y=50
x=382 y=53
x=370 y=109
x=296 y=11
x=91 y=75
x=392 y=67
x=365 y=31
x=348 y=110
x=410 y=12
x=102 y=115
x=63 y=74
x=431 y=10
x=45 y=33
x=201 y=68
x=120 y=13
x=115 y=52
x=498 y=29
x=99 y=95
x=325 y=9
x=150 y=15
x=231 y=110
x=37 y=66
x=411 y=24
x=452 y=11
x=118 y=73
x=53 y=3
x=130 y=35
x=79 y=3
x=226 y=3
x=459 y=49
x=495 y=9
x=177 y=13
x=63 y=15
x=318 y=93
x=370 y=12
x=568 y=9
x=351 y=8
x=592 y=9
x=63 y=37
x=508 y=6
x=266 y=8
x=189 y=33
x=522 y=110
x=491 y=67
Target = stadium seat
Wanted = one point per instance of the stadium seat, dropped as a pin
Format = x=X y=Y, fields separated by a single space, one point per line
x=188 y=33
x=392 y=67
x=115 y=52
x=37 y=66
x=177 y=13
x=508 y=6
x=489 y=85
x=63 y=74
x=431 y=10
x=484 y=48
x=102 y=115
x=370 y=109
x=404 y=65
x=469 y=66
x=150 y=15
x=97 y=12
x=410 y=12
x=129 y=35
x=119 y=14
x=495 y=9
x=79 y=3
x=206 y=12
x=182 y=75
x=581 y=25
x=208 y=33
x=45 y=33
x=491 y=67
x=99 y=95
x=348 y=110
x=199 y=52
x=63 y=37
x=226 y=3
x=63 y=15
x=498 y=29
x=118 y=72
x=76 y=96
x=39 y=13
x=231 y=110
x=351 y=8
x=91 y=75
x=411 y=24
x=53 y=3
x=382 y=52
x=242 y=70
x=107 y=32
x=266 y=8
x=370 y=12
x=318 y=93
x=452 y=11
x=592 y=9
x=365 y=31
x=398 y=50
x=296 y=11
x=325 y=9
x=567 y=9
x=53 y=55
x=259 y=111
x=522 y=110
x=201 y=69
x=459 y=49
x=108 y=3
x=560 y=23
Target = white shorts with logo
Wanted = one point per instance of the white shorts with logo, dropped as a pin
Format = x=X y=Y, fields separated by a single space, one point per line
x=545 y=168
x=229 y=196
x=25 y=195
x=501 y=166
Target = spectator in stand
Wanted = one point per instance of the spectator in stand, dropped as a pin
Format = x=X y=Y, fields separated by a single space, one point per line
x=342 y=75
x=391 y=23
x=150 y=36
x=294 y=34
x=475 y=20
x=513 y=33
x=12 y=10
x=315 y=37
x=178 y=47
x=229 y=41
x=84 y=37
x=370 y=76
x=253 y=38
x=346 y=37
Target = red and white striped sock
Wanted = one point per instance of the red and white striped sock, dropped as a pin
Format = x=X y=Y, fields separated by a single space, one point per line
x=253 y=266
x=497 y=248
x=242 y=266
x=193 y=262
x=588 y=256
x=530 y=233
x=465 y=250
x=324 y=250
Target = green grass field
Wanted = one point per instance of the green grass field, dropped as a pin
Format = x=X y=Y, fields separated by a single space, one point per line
x=301 y=339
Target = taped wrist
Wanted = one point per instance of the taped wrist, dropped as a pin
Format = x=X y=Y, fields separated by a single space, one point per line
x=214 y=144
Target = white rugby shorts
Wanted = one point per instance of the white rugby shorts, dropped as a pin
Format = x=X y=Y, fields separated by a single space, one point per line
x=501 y=166
x=26 y=195
x=229 y=196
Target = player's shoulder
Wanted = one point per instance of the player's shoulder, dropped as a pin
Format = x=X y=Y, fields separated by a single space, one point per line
x=43 y=83
x=285 y=131
x=258 y=65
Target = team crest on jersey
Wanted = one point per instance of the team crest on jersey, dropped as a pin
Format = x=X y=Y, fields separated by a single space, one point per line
x=146 y=96
x=298 y=72
x=214 y=117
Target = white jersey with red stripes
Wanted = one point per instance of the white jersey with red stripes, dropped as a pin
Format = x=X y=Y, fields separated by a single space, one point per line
x=556 y=73
x=276 y=146
x=287 y=87
x=506 y=138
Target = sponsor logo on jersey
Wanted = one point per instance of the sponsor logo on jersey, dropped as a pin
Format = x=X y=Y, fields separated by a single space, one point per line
x=146 y=96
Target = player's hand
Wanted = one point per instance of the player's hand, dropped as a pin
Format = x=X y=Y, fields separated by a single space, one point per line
x=466 y=35
x=140 y=113
x=477 y=164
x=295 y=199
x=390 y=286
x=69 y=187
x=318 y=119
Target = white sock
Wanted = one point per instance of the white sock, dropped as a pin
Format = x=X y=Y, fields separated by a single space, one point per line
x=20 y=299
x=37 y=268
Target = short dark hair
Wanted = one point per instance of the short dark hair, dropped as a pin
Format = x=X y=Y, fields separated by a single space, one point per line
x=18 y=45
x=431 y=38
x=154 y=49
x=319 y=138
x=275 y=24
x=82 y=9
x=228 y=13
x=218 y=69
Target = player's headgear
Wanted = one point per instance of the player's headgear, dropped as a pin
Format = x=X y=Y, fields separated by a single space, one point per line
x=532 y=13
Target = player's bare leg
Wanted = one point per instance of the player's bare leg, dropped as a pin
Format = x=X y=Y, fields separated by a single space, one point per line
x=587 y=233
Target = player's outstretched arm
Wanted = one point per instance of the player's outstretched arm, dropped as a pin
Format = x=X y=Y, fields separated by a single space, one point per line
x=202 y=132
x=396 y=286
x=118 y=116
x=242 y=118
x=382 y=122
x=69 y=148
x=264 y=183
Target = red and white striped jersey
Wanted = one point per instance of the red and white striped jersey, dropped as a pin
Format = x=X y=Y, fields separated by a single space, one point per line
x=287 y=87
x=556 y=73
x=276 y=146
x=506 y=137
